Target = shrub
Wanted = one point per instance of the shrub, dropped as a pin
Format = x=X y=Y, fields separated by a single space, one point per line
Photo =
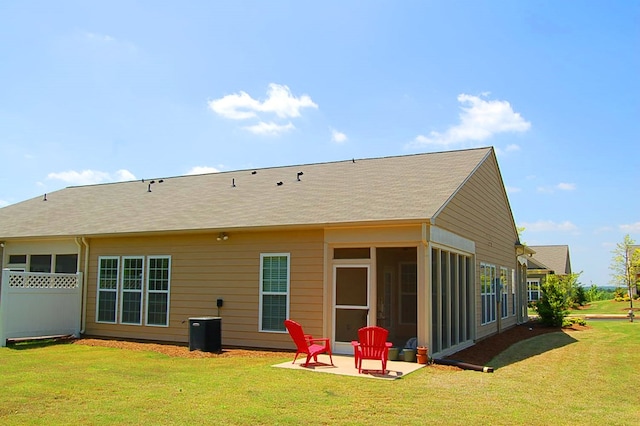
x=568 y=322
x=553 y=306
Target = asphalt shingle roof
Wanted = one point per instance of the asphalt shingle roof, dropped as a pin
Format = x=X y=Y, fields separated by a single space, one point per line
x=554 y=257
x=411 y=187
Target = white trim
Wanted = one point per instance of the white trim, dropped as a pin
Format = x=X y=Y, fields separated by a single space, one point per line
x=451 y=240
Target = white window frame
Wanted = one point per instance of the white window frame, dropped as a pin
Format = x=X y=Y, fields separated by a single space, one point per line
x=504 y=291
x=488 y=298
x=145 y=291
x=124 y=290
x=513 y=292
x=263 y=293
x=149 y=291
x=530 y=291
x=107 y=290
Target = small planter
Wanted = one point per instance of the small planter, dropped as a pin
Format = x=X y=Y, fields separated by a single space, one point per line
x=409 y=355
x=422 y=355
x=393 y=354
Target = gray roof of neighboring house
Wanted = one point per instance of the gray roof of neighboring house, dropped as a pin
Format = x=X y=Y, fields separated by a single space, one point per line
x=552 y=257
x=411 y=187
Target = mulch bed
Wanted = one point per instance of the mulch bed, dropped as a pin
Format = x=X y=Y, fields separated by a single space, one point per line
x=486 y=349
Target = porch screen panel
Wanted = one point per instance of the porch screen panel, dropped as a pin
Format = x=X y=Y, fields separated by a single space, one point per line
x=435 y=301
x=445 y=320
x=274 y=291
x=107 y=289
x=158 y=286
x=452 y=299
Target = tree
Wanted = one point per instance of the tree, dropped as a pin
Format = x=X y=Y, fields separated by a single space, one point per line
x=625 y=267
x=557 y=297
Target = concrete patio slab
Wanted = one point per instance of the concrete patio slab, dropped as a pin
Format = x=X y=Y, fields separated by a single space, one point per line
x=345 y=365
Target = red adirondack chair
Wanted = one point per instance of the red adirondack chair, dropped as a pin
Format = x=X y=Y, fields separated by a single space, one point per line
x=372 y=344
x=305 y=343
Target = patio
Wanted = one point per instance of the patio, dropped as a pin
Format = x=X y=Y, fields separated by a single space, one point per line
x=344 y=365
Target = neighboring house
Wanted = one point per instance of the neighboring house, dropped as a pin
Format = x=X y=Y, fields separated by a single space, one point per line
x=424 y=245
x=545 y=260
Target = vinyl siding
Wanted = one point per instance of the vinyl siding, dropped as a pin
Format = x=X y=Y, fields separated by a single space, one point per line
x=480 y=212
x=204 y=269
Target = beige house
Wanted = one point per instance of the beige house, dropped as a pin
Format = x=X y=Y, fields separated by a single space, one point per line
x=545 y=260
x=424 y=245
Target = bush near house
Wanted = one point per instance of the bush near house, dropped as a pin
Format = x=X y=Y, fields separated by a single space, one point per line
x=558 y=296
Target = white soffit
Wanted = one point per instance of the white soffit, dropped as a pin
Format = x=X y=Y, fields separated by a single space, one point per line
x=449 y=239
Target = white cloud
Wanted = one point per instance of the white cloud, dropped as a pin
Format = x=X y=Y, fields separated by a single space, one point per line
x=201 y=170
x=99 y=37
x=479 y=120
x=512 y=148
x=89 y=177
x=512 y=189
x=632 y=227
x=270 y=128
x=337 y=136
x=280 y=101
x=566 y=186
x=107 y=44
x=549 y=226
x=562 y=186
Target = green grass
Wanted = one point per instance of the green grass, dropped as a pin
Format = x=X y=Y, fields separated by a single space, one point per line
x=606 y=307
x=583 y=377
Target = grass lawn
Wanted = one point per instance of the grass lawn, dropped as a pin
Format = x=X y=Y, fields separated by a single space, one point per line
x=606 y=307
x=578 y=377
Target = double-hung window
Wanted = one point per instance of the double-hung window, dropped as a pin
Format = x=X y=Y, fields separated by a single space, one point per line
x=130 y=290
x=158 y=290
x=504 y=291
x=274 y=291
x=488 y=292
x=132 y=280
x=108 y=268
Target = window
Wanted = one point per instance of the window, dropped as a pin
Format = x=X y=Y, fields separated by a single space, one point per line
x=533 y=289
x=107 y=289
x=504 y=291
x=513 y=292
x=131 y=297
x=274 y=291
x=158 y=290
x=66 y=263
x=20 y=259
x=121 y=290
x=40 y=263
x=488 y=292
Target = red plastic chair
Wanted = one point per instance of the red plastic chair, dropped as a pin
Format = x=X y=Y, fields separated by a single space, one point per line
x=372 y=344
x=305 y=343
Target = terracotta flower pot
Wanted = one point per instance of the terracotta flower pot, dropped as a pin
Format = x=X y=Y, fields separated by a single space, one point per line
x=422 y=350
x=422 y=359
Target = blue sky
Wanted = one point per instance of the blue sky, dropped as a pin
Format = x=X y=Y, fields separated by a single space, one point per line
x=103 y=91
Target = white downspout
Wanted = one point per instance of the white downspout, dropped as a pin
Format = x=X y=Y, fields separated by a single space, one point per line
x=83 y=315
